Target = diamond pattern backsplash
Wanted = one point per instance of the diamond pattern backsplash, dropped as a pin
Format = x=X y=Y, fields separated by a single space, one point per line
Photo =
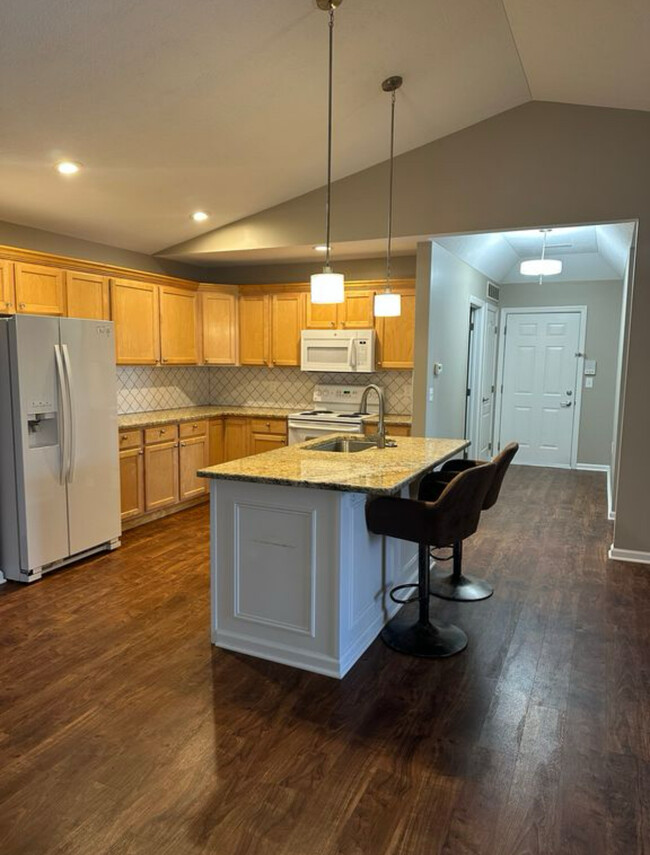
x=142 y=388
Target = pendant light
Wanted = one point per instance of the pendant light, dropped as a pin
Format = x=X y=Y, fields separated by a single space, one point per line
x=328 y=287
x=387 y=304
x=541 y=266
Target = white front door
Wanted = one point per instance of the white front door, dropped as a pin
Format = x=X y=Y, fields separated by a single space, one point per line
x=486 y=412
x=540 y=374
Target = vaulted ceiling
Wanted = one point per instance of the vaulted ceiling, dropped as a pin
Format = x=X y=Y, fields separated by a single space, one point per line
x=172 y=107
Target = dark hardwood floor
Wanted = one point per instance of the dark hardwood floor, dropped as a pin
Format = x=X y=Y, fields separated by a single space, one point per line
x=123 y=731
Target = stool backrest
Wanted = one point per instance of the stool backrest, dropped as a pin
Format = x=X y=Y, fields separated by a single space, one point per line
x=501 y=462
x=455 y=514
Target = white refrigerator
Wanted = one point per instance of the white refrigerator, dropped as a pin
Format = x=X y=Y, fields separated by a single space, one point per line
x=59 y=463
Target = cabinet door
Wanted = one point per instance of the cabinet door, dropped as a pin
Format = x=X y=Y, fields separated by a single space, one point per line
x=254 y=330
x=39 y=289
x=219 y=313
x=193 y=456
x=261 y=442
x=7 y=292
x=216 y=452
x=395 y=337
x=86 y=295
x=320 y=316
x=287 y=322
x=236 y=439
x=134 y=308
x=161 y=475
x=132 y=482
x=357 y=311
x=178 y=326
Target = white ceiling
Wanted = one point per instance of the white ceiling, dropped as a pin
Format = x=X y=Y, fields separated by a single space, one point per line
x=588 y=253
x=220 y=105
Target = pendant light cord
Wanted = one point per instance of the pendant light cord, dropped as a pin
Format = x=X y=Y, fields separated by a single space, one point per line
x=541 y=275
x=329 y=136
x=390 y=190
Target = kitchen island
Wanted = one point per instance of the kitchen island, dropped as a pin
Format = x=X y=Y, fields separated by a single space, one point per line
x=296 y=577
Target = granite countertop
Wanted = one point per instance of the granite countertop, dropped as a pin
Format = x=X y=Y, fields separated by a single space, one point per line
x=188 y=414
x=376 y=470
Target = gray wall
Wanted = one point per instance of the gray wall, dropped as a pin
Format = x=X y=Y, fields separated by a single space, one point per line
x=603 y=301
x=39 y=240
x=402 y=266
x=541 y=164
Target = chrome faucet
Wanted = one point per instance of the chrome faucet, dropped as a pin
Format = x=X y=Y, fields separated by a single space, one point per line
x=380 y=436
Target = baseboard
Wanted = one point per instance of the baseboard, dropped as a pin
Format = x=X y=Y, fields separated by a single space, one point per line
x=592 y=467
x=611 y=513
x=628 y=555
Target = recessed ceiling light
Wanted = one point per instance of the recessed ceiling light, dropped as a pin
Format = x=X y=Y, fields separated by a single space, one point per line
x=320 y=247
x=68 y=167
x=199 y=216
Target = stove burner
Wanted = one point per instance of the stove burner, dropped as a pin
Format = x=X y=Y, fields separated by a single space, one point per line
x=316 y=412
x=350 y=415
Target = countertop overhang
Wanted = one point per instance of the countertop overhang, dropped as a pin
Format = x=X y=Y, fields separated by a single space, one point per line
x=382 y=471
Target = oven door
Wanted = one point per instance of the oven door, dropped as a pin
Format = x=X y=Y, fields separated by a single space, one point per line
x=303 y=430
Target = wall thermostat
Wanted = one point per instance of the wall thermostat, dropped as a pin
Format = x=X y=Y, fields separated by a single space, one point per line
x=590 y=367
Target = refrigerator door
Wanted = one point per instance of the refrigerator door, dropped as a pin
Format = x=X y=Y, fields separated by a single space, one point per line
x=39 y=409
x=93 y=472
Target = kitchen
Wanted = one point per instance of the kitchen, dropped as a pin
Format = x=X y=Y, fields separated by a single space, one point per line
x=123 y=729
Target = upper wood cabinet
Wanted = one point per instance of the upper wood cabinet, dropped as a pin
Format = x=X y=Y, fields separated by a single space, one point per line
x=134 y=309
x=39 y=289
x=254 y=329
x=320 y=316
x=395 y=336
x=178 y=326
x=219 y=327
x=287 y=321
x=7 y=291
x=357 y=312
x=87 y=295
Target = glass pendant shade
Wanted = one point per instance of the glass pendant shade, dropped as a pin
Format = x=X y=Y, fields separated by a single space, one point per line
x=388 y=305
x=541 y=267
x=327 y=287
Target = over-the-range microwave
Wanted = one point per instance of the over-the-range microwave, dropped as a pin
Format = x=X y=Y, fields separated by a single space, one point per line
x=341 y=351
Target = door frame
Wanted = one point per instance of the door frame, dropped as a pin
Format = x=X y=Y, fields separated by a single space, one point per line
x=475 y=359
x=542 y=310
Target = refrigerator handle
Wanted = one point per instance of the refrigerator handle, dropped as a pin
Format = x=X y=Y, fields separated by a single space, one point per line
x=72 y=412
x=63 y=418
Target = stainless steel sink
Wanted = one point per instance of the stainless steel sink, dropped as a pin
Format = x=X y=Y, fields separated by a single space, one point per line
x=344 y=446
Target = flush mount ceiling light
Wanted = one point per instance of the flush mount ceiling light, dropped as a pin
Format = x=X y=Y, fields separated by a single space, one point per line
x=387 y=304
x=200 y=216
x=68 y=167
x=328 y=287
x=541 y=266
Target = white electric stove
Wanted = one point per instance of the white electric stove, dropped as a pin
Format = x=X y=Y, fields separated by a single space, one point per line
x=336 y=409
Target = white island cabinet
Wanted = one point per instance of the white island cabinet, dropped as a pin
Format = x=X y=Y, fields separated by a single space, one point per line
x=296 y=577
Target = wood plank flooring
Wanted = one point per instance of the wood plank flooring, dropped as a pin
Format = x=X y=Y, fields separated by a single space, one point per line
x=124 y=732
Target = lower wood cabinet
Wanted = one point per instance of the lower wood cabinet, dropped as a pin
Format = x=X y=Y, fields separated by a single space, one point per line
x=215 y=442
x=132 y=482
x=160 y=475
x=391 y=430
x=261 y=442
x=236 y=438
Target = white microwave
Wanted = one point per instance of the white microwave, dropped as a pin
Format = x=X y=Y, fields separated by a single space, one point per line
x=340 y=351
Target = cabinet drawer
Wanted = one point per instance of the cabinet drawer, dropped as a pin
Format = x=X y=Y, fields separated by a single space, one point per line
x=269 y=425
x=130 y=439
x=188 y=429
x=164 y=433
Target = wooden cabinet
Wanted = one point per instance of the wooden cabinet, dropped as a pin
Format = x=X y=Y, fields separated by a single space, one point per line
x=395 y=336
x=236 y=442
x=131 y=474
x=287 y=321
x=39 y=289
x=357 y=312
x=267 y=435
x=254 y=329
x=219 y=327
x=7 y=291
x=215 y=442
x=320 y=316
x=134 y=307
x=193 y=456
x=178 y=326
x=87 y=295
x=161 y=475
x=391 y=430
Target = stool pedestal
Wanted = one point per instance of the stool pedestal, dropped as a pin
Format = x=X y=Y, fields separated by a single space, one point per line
x=413 y=631
x=457 y=586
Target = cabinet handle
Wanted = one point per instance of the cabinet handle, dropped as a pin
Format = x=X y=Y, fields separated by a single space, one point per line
x=175 y=445
x=123 y=438
x=163 y=359
x=21 y=305
x=182 y=445
x=141 y=451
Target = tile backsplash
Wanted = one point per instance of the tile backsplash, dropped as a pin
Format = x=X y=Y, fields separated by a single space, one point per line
x=157 y=388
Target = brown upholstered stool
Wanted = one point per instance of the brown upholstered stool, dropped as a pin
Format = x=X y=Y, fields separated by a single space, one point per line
x=453 y=517
x=456 y=585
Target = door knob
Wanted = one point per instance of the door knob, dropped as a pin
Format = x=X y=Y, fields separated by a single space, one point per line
x=484 y=400
x=569 y=392
x=565 y=403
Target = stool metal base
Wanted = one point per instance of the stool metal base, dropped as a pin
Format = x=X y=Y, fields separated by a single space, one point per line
x=431 y=639
x=466 y=589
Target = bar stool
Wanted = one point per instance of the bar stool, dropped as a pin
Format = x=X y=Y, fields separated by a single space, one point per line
x=452 y=518
x=456 y=585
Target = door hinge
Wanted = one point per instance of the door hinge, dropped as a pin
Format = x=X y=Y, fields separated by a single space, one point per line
x=502 y=388
x=471 y=327
x=469 y=392
x=496 y=330
x=505 y=330
x=489 y=446
x=492 y=390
